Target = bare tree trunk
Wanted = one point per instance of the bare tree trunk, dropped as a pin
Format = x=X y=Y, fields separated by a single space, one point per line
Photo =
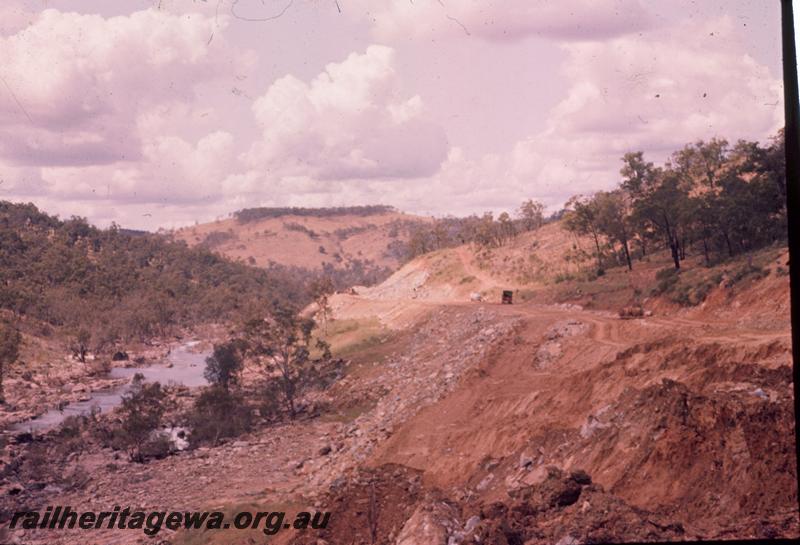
x=627 y=254
x=672 y=240
x=288 y=385
x=676 y=256
x=728 y=243
x=597 y=246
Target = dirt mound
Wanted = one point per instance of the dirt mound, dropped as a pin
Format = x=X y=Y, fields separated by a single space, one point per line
x=707 y=461
x=431 y=277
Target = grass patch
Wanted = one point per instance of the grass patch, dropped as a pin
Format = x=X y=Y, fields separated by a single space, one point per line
x=656 y=277
x=687 y=288
x=589 y=274
x=362 y=341
x=746 y=272
x=362 y=346
x=563 y=277
x=691 y=286
x=347 y=336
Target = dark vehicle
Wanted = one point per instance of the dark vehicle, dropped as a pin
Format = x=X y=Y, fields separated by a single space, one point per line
x=508 y=295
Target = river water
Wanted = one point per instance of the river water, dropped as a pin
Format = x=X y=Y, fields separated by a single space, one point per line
x=186 y=368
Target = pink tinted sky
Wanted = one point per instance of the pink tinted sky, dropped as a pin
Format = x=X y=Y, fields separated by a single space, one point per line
x=159 y=113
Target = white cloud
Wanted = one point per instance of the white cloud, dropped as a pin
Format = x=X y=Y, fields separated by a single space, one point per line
x=74 y=85
x=349 y=122
x=654 y=93
x=171 y=170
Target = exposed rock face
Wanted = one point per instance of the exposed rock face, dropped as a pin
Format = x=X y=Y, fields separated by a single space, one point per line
x=551 y=348
x=431 y=524
x=565 y=508
x=568 y=509
x=177 y=437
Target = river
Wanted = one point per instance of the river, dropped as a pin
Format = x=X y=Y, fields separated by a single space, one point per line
x=183 y=366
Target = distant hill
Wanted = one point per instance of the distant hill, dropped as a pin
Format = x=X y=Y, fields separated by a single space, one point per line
x=362 y=243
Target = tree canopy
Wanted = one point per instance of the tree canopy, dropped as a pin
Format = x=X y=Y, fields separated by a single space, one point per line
x=719 y=199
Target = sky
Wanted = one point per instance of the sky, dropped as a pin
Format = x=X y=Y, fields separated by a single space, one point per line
x=162 y=113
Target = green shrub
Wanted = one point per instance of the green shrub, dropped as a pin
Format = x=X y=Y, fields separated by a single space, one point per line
x=218 y=414
x=666 y=279
x=746 y=272
x=681 y=294
x=685 y=293
x=156 y=447
x=666 y=273
x=701 y=291
x=224 y=364
x=142 y=410
x=563 y=277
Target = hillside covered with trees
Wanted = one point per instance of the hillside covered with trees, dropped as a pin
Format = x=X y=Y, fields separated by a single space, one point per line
x=714 y=198
x=485 y=230
x=710 y=198
x=106 y=285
